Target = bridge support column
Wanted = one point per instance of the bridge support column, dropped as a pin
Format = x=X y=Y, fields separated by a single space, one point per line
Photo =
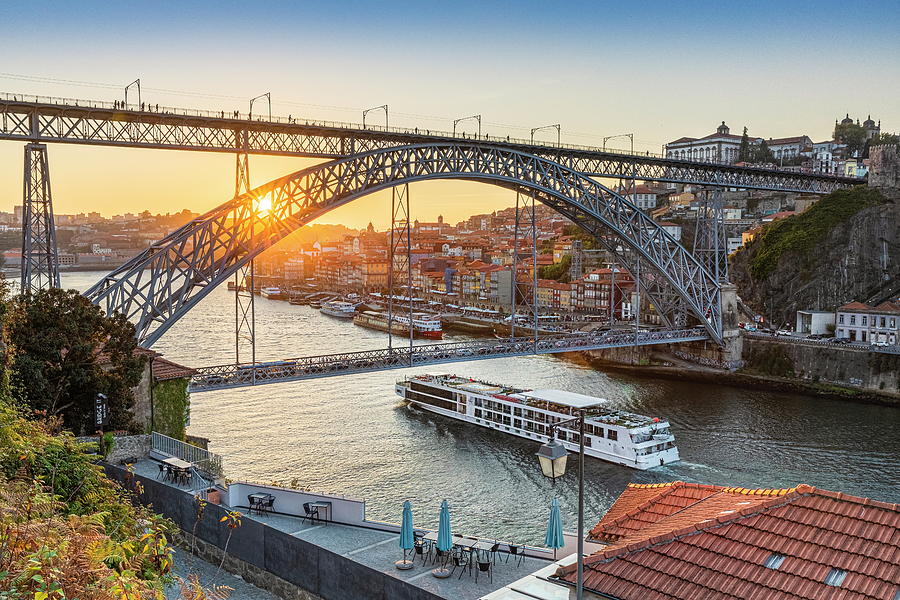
x=40 y=261
x=244 y=280
x=400 y=274
x=525 y=287
x=710 y=242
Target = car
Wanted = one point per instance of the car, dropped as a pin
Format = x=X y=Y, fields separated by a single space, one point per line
x=841 y=340
x=783 y=332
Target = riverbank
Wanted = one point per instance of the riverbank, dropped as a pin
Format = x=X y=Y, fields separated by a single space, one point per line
x=677 y=370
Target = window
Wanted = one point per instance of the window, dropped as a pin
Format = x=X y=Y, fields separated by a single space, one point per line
x=893 y=322
x=865 y=320
x=841 y=319
x=587 y=440
x=774 y=561
x=853 y=319
x=881 y=320
x=598 y=431
x=612 y=434
x=835 y=577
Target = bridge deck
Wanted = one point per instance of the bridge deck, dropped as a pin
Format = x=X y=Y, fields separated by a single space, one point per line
x=332 y=365
x=65 y=120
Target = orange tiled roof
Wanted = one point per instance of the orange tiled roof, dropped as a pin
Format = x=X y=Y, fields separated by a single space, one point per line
x=688 y=541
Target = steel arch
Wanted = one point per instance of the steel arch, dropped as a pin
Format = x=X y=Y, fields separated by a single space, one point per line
x=160 y=285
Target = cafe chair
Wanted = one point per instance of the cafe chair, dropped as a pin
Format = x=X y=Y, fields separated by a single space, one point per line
x=460 y=561
x=312 y=512
x=485 y=566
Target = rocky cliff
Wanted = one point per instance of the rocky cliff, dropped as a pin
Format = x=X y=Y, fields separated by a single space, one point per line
x=845 y=247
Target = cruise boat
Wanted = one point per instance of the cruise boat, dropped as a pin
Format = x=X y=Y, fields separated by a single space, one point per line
x=424 y=325
x=338 y=308
x=612 y=435
x=272 y=293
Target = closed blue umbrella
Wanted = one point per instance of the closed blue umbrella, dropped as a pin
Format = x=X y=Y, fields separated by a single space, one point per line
x=445 y=535
x=554 y=537
x=407 y=541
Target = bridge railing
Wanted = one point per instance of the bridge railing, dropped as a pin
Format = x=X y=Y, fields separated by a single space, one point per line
x=232 y=375
x=152 y=108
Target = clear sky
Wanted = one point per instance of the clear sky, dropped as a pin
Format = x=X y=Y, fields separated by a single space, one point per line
x=658 y=69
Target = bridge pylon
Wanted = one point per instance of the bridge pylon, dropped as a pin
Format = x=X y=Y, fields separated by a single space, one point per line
x=400 y=280
x=710 y=241
x=40 y=261
x=244 y=280
x=524 y=284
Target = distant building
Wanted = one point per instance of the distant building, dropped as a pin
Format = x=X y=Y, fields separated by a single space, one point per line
x=720 y=146
x=815 y=322
x=874 y=324
x=673 y=229
x=642 y=196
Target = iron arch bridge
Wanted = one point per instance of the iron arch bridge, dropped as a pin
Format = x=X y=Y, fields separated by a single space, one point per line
x=160 y=285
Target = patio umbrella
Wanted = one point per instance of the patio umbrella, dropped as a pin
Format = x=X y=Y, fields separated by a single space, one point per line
x=407 y=541
x=554 y=537
x=444 y=539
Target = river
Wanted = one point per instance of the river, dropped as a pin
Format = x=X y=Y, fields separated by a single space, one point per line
x=352 y=435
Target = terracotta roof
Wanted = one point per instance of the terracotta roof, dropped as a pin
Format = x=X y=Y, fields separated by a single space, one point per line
x=884 y=307
x=787 y=140
x=689 y=541
x=164 y=370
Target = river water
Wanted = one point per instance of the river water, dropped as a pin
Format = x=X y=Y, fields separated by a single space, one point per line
x=352 y=435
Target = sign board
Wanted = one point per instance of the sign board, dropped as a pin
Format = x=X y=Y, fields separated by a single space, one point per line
x=101 y=411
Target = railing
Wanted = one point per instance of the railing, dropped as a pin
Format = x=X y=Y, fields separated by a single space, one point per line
x=204 y=460
x=310 y=367
x=156 y=109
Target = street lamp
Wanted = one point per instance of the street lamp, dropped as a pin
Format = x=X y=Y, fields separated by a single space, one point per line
x=383 y=107
x=267 y=95
x=476 y=117
x=553 y=457
x=136 y=82
x=618 y=135
x=556 y=127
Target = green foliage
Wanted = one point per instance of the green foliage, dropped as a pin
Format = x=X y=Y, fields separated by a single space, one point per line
x=588 y=242
x=107 y=443
x=762 y=154
x=851 y=134
x=745 y=150
x=65 y=351
x=171 y=403
x=557 y=271
x=885 y=139
x=802 y=233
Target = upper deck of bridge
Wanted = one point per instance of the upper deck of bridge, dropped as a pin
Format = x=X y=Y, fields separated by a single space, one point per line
x=112 y=123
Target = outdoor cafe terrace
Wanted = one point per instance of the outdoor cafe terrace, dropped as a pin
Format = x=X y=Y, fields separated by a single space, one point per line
x=341 y=527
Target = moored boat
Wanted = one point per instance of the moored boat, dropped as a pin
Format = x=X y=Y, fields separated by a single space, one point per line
x=424 y=325
x=615 y=436
x=272 y=293
x=339 y=309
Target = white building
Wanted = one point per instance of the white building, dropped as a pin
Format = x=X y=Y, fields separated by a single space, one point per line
x=720 y=146
x=813 y=322
x=790 y=147
x=673 y=229
x=873 y=324
x=733 y=243
x=642 y=197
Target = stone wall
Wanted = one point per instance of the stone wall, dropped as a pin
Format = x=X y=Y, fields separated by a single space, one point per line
x=127 y=448
x=884 y=171
x=817 y=363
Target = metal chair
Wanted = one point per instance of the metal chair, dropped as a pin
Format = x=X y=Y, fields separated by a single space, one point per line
x=518 y=552
x=460 y=561
x=493 y=552
x=485 y=566
x=162 y=471
x=254 y=504
x=269 y=505
x=312 y=512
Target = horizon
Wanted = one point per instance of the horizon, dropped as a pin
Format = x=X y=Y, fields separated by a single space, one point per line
x=520 y=68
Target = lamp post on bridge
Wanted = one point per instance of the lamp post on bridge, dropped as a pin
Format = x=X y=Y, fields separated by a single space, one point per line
x=475 y=117
x=136 y=82
x=556 y=127
x=552 y=457
x=383 y=107
x=268 y=96
x=630 y=136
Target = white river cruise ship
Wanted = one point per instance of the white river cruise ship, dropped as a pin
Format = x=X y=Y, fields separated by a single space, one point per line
x=612 y=435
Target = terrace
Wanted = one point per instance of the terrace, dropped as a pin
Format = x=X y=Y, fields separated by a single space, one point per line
x=343 y=533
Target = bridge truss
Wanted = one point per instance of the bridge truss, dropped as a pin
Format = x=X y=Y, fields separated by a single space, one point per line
x=399 y=357
x=161 y=284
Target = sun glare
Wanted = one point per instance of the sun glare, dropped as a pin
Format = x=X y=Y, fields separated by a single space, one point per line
x=263 y=206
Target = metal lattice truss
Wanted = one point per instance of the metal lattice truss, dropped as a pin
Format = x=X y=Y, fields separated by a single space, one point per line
x=332 y=365
x=400 y=279
x=524 y=292
x=710 y=241
x=160 y=285
x=40 y=262
x=217 y=132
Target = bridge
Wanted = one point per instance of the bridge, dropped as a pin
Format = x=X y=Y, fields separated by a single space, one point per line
x=161 y=285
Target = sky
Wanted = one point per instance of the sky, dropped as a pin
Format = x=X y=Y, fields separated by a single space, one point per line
x=659 y=70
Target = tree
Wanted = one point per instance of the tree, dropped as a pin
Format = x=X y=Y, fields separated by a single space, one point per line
x=63 y=351
x=762 y=153
x=851 y=134
x=885 y=139
x=744 y=152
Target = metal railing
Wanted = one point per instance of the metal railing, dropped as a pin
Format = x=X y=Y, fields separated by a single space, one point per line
x=202 y=459
x=156 y=109
x=313 y=367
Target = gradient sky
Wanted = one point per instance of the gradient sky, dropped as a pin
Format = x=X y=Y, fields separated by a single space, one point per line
x=658 y=69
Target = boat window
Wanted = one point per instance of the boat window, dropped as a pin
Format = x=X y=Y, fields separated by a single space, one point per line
x=612 y=434
x=587 y=441
x=561 y=434
x=477 y=412
x=598 y=431
x=517 y=411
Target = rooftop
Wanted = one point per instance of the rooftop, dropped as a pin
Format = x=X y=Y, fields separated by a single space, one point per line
x=564 y=398
x=682 y=540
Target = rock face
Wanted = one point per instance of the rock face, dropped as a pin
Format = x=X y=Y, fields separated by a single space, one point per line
x=846 y=247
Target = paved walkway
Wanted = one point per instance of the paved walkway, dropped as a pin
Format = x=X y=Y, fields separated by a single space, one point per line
x=186 y=563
